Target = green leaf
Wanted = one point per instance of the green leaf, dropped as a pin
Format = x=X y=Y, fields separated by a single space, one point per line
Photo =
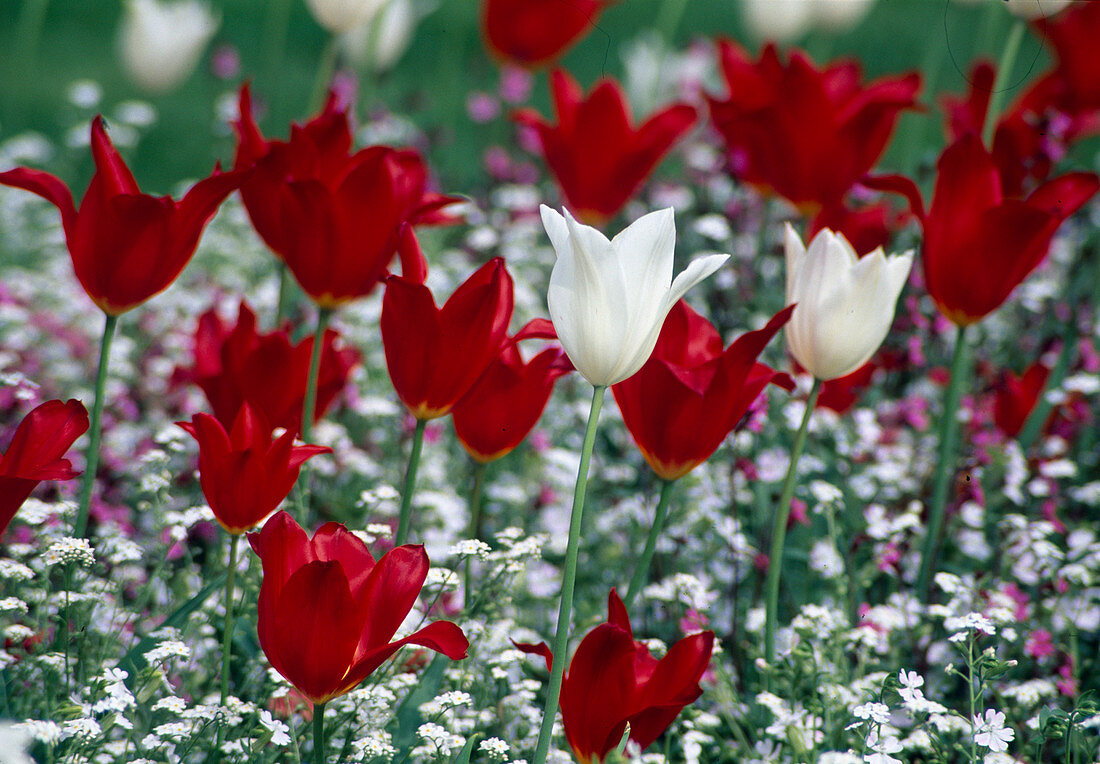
x=468 y=749
x=408 y=713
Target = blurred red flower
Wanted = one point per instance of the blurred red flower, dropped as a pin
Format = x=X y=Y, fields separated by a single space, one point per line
x=328 y=610
x=37 y=453
x=535 y=32
x=1073 y=35
x=238 y=364
x=434 y=355
x=598 y=157
x=979 y=244
x=691 y=393
x=245 y=473
x=804 y=133
x=126 y=246
x=332 y=216
x=613 y=681
x=505 y=403
x=1015 y=398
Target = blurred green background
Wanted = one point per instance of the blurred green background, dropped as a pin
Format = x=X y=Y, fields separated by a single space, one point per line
x=430 y=82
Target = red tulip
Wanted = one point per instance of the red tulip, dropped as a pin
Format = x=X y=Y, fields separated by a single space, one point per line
x=245 y=474
x=327 y=610
x=126 y=246
x=978 y=244
x=598 y=157
x=37 y=452
x=234 y=365
x=1032 y=135
x=614 y=681
x=332 y=216
x=691 y=393
x=506 y=401
x=806 y=134
x=434 y=355
x=534 y=32
x=1016 y=397
x=841 y=394
x=1073 y=36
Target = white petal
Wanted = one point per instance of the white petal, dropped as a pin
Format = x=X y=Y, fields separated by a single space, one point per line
x=697 y=270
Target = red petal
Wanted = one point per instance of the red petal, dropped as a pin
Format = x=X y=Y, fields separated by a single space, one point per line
x=49 y=188
x=541 y=648
x=442 y=636
x=111 y=171
x=673 y=685
x=389 y=594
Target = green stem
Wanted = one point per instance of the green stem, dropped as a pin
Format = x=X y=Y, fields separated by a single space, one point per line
x=410 y=483
x=91 y=459
x=325 y=70
x=227 y=638
x=475 y=527
x=1000 y=84
x=641 y=573
x=283 y=303
x=945 y=462
x=569 y=580
x=308 y=409
x=779 y=527
x=319 y=733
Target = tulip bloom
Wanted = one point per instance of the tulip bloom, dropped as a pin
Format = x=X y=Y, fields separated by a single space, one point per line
x=608 y=299
x=332 y=216
x=244 y=473
x=598 y=157
x=805 y=134
x=434 y=355
x=1076 y=76
x=237 y=364
x=978 y=244
x=339 y=16
x=126 y=246
x=328 y=611
x=161 y=43
x=845 y=303
x=613 y=681
x=1015 y=398
x=506 y=401
x=691 y=393
x=531 y=33
x=37 y=453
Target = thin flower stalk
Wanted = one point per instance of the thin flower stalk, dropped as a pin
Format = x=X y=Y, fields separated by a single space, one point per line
x=641 y=573
x=410 y=483
x=91 y=459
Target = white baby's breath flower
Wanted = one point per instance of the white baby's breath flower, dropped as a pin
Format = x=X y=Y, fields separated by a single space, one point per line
x=70 y=551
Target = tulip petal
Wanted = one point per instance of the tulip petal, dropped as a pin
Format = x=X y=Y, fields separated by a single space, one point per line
x=673 y=684
x=441 y=636
x=598 y=692
x=389 y=593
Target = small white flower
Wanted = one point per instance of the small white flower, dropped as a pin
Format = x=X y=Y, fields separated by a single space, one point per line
x=70 y=551
x=876 y=712
x=609 y=299
x=845 y=303
x=990 y=731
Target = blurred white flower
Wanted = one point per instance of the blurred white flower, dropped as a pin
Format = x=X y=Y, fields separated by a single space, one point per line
x=339 y=16
x=845 y=303
x=160 y=42
x=377 y=42
x=1034 y=9
x=990 y=731
x=608 y=299
x=787 y=20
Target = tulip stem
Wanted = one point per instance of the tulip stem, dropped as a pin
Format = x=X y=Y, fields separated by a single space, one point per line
x=227 y=638
x=1033 y=425
x=283 y=301
x=319 y=733
x=945 y=463
x=1000 y=84
x=310 y=406
x=641 y=573
x=569 y=579
x=325 y=69
x=91 y=458
x=475 y=527
x=410 y=483
x=779 y=528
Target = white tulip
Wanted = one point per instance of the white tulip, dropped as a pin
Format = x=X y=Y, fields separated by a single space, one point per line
x=845 y=303
x=838 y=16
x=160 y=43
x=379 y=42
x=777 y=20
x=339 y=16
x=609 y=299
x=1034 y=9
